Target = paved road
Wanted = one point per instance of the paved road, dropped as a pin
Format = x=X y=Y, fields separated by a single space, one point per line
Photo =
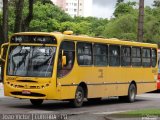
x=90 y=111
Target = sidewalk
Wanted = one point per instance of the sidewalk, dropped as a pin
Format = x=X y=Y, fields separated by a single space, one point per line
x=1 y=90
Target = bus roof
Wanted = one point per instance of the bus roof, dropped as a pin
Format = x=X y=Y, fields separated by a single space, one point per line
x=60 y=37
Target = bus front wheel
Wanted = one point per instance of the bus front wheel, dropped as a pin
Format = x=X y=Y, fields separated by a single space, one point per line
x=79 y=97
x=36 y=102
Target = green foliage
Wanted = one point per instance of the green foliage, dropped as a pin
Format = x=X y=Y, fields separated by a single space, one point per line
x=47 y=17
x=96 y=26
x=124 y=8
x=152 y=31
x=78 y=28
x=152 y=25
x=156 y=3
x=119 y=1
x=125 y=27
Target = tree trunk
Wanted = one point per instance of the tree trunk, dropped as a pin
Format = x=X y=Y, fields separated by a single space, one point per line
x=1 y=35
x=18 y=11
x=26 y=22
x=5 y=21
x=140 y=21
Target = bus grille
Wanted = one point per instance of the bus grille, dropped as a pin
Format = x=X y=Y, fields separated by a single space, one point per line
x=32 y=94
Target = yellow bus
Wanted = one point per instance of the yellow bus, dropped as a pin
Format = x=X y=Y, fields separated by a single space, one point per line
x=62 y=66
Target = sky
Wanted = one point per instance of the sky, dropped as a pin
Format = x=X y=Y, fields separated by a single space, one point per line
x=105 y=8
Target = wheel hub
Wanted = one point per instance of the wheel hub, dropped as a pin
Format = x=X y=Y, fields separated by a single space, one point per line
x=79 y=96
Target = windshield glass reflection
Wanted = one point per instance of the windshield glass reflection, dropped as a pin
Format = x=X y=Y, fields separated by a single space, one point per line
x=31 y=61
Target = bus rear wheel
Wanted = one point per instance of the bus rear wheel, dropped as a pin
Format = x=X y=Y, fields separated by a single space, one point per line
x=132 y=91
x=36 y=102
x=79 y=97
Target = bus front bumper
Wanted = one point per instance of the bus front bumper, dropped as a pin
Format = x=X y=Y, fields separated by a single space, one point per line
x=26 y=93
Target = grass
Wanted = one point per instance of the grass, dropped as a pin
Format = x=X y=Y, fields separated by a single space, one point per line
x=138 y=113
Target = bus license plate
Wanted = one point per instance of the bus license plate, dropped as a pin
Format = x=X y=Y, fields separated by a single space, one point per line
x=26 y=92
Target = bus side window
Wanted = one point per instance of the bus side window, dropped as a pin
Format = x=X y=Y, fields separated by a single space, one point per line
x=146 y=57
x=84 y=54
x=114 y=55
x=68 y=48
x=100 y=53
x=136 y=56
x=154 y=57
x=125 y=56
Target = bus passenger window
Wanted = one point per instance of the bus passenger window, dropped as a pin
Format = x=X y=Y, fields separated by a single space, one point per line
x=100 y=55
x=84 y=53
x=69 y=51
x=146 y=57
x=125 y=56
x=136 y=56
x=154 y=57
x=114 y=55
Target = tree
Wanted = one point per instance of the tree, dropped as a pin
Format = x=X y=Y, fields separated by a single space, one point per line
x=28 y=19
x=21 y=23
x=47 y=17
x=152 y=25
x=124 y=8
x=5 y=20
x=97 y=25
x=140 y=21
x=119 y=1
x=18 y=12
x=156 y=3
x=124 y=27
x=46 y=1
x=1 y=31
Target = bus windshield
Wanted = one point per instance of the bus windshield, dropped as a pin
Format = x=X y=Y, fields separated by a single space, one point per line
x=33 y=61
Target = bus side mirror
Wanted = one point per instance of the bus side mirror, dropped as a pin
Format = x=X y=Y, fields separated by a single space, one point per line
x=4 y=48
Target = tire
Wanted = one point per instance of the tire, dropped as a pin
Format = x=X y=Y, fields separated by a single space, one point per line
x=36 y=102
x=79 y=97
x=132 y=91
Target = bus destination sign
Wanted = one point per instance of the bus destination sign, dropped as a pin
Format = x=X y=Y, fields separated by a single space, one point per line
x=33 y=39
